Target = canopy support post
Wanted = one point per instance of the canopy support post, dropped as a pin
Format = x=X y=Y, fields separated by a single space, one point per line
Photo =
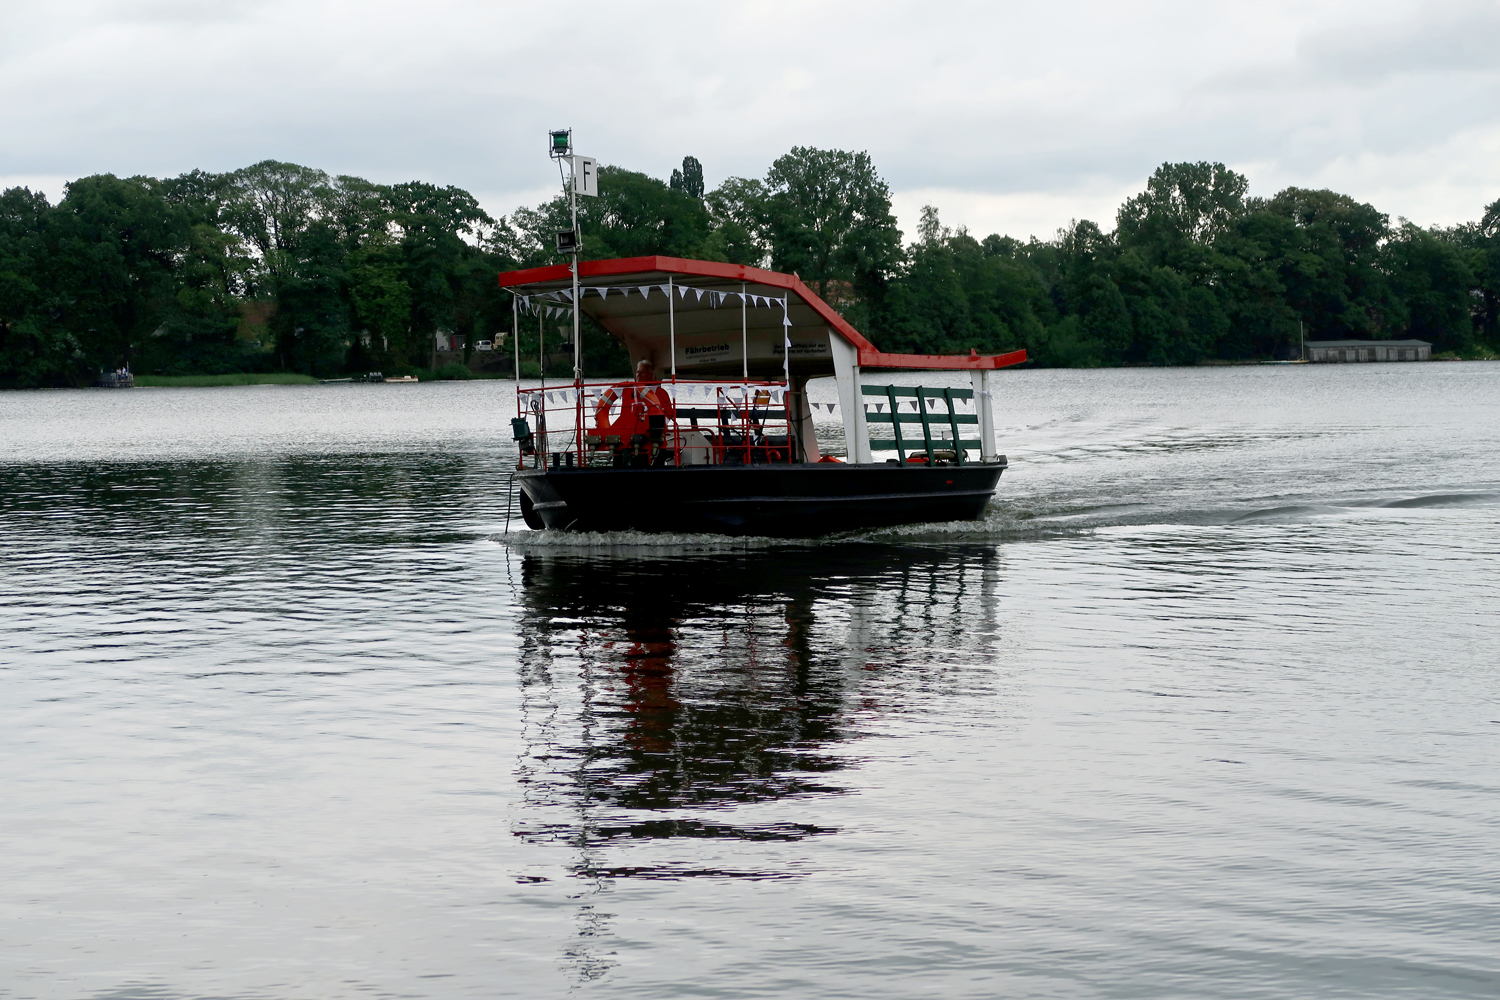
x=744 y=337
x=851 y=399
x=672 y=325
x=802 y=421
x=515 y=332
x=980 y=379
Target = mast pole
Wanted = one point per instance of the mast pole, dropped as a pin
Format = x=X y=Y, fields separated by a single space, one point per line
x=577 y=327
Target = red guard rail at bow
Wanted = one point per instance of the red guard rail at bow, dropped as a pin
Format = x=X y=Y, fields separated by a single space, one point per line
x=708 y=422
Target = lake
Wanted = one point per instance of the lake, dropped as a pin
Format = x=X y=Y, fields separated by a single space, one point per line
x=1207 y=706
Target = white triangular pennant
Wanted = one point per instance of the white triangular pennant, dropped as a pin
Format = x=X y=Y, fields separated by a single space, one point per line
x=645 y=291
x=666 y=290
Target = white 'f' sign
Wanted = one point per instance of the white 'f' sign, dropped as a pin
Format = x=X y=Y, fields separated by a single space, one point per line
x=586 y=175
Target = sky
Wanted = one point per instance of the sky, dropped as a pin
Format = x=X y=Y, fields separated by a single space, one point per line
x=1009 y=117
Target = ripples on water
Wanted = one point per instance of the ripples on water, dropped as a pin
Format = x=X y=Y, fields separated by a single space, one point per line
x=286 y=713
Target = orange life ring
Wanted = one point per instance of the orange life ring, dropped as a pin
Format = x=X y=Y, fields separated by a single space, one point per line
x=638 y=403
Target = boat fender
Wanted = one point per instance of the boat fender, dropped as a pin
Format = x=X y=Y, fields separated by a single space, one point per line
x=529 y=515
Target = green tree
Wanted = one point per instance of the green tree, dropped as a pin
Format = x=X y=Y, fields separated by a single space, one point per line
x=198 y=333
x=1326 y=248
x=828 y=218
x=1480 y=243
x=1431 y=281
x=633 y=216
x=739 y=215
x=1185 y=208
x=433 y=224
x=114 y=248
x=688 y=180
x=954 y=294
x=34 y=349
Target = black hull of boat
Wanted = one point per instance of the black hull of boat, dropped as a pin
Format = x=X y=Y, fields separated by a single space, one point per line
x=786 y=501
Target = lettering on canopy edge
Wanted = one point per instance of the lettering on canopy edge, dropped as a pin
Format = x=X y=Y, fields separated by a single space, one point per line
x=802 y=349
x=702 y=354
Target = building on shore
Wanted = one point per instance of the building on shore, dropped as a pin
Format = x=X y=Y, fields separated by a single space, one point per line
x=1336 y=351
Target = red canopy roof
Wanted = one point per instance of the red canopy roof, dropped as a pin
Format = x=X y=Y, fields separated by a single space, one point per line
x=805 y=307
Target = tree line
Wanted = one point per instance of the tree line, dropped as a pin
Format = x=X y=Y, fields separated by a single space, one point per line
x=280 y=267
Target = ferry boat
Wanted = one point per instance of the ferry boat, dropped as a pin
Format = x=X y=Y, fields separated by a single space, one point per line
x=715 y=432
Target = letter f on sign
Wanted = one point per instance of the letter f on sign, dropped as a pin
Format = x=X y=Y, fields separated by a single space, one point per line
x=586 y=176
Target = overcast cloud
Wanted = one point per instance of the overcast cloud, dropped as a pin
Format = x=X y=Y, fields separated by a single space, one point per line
x=1010 y=117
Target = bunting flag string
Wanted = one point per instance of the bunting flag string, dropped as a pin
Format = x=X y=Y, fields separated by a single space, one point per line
x=564 y=297
x=732 y=395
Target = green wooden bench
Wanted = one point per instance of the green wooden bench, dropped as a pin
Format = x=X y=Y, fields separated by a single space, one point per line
x=935 y=448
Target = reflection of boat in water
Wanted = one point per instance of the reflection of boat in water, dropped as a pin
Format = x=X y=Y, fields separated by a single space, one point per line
x=713 y=682
x=724 y=440
x=693 y=717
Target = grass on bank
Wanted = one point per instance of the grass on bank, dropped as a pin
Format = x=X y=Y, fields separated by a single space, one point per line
x=275 y=378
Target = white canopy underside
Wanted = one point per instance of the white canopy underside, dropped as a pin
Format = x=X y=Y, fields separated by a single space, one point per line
x=711 y=341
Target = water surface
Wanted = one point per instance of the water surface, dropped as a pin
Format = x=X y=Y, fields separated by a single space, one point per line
x=1206 y=707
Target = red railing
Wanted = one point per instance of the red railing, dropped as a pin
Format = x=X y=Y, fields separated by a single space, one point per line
x=657 y=424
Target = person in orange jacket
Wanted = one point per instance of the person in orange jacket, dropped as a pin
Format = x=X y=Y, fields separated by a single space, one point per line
x=639 y=401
